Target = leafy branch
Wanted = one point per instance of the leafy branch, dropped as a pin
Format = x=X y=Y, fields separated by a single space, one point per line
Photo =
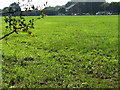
x=16 y=25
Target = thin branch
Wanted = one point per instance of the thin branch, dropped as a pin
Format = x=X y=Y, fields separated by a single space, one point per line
x=7 y=35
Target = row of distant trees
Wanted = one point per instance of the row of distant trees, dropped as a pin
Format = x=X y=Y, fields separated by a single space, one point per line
x=112 y=7
x=15 y=10
x=83 y=7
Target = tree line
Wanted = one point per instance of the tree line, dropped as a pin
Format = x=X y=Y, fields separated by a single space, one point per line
x=94 y=7
x=84 y=7
x=80 y=8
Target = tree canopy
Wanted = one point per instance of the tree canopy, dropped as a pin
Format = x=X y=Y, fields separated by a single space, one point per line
x=14 y=7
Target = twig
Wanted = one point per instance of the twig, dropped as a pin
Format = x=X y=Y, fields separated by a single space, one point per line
x=7 y=34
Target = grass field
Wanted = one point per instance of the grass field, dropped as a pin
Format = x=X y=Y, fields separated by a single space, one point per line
x=66 y=52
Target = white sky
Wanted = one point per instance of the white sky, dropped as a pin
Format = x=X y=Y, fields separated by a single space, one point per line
x=6 y=3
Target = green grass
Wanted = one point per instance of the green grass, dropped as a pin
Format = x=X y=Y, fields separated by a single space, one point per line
x=66 y=52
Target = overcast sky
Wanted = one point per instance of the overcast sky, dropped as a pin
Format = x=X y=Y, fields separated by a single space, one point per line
x=5 y=3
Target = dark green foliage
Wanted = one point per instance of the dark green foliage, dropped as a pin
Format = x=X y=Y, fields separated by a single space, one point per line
x=69 y=3
x=93 y=7
x=50 y=11
x=62 y=10
x=13 y=8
